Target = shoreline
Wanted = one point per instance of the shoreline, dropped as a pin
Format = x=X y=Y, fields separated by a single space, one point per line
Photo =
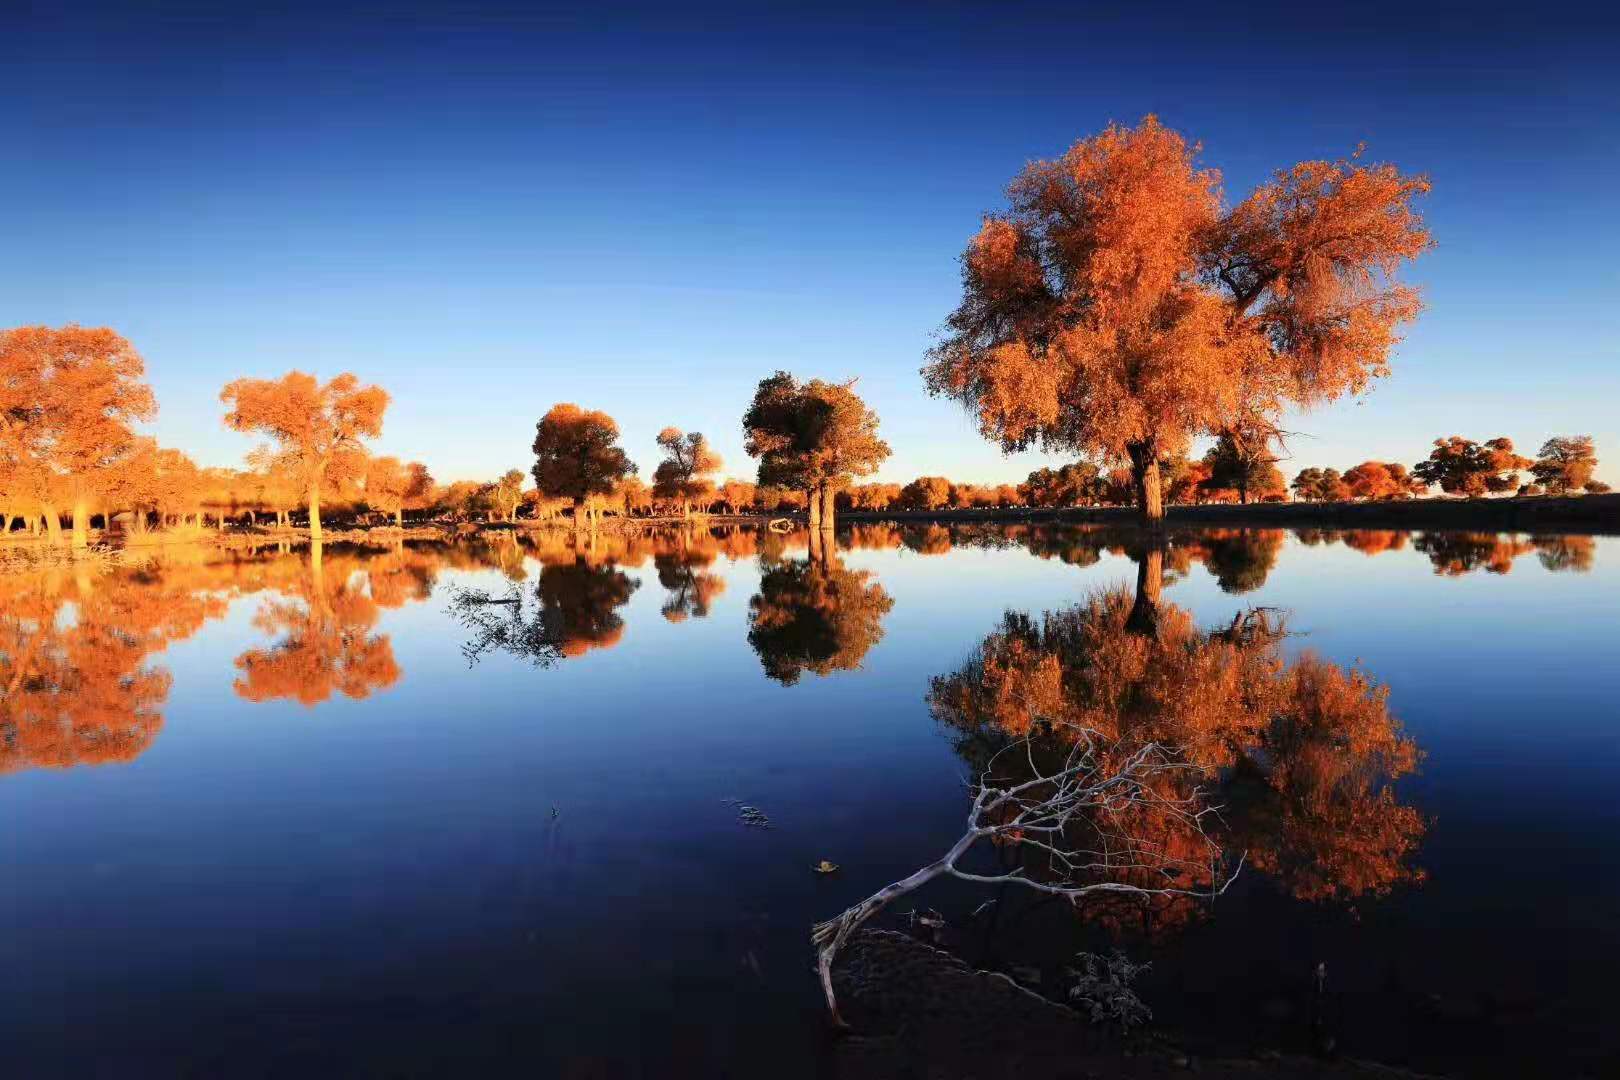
x=919 y=1010
x=1595 y=514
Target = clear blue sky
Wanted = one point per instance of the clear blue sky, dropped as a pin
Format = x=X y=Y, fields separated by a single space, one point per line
x=490 y=211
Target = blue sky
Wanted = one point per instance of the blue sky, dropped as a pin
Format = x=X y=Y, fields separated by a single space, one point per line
x=489 y=211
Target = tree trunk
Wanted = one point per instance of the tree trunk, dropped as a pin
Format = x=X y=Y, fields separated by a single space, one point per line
x=317 y=576
x=1243 y=492
x=579 y=515
x=1145 y=474
x=7 y=517
x=315 y=512
x=829 y=506
x=815 y=508
x=1144 y=616
x=399 y=517
x=81 y=525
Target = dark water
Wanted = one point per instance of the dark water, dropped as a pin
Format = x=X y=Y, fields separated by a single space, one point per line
x=263 y=816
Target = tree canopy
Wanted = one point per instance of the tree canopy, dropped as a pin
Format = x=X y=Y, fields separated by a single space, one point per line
x=815 y=437
x=68 y=399
x=1117 y=309
x=1378 y=480
x=1320 y=485
x=320 y=429
x=1463 y=467
x=577 y=455
x=392 y=485
x=1566 y=463
x=683 y=475
x=1304 y=754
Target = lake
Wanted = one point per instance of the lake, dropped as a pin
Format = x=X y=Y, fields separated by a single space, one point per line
x=278 y=812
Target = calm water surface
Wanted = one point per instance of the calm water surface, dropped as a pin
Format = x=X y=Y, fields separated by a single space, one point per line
x=273 y=814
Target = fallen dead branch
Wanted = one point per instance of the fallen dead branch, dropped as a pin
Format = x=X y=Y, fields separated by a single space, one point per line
x=1072 y=815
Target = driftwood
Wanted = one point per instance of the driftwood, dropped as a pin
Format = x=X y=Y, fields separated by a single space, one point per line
x=1046 y=813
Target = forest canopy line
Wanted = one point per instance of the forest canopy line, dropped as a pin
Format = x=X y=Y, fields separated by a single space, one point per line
x=1116 y=310
x=69 y=448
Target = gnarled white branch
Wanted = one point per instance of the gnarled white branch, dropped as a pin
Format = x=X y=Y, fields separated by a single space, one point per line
x=1052 y=804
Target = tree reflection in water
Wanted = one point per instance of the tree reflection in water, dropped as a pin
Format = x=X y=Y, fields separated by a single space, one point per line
x=1455 y=554
x=1302 y=755
x=571 y=610
x=814 y=614
x=681 y=566
x=76 y=685
x=325 y=623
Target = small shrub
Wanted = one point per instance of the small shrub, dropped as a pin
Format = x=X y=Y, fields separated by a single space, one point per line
x=1103 y=985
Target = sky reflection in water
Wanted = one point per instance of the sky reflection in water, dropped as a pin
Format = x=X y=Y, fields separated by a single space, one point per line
x=289 y=810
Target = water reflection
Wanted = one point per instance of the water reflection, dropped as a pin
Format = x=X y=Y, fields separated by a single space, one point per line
x=1303 y=754
x=1454 y=554
x=814 y=614
x=78 y=645
x=1300 y=755
x=682 y=570
x=324 y=622
x=73 y=663
x=572 y=609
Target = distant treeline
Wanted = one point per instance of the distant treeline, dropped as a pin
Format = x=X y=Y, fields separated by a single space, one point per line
x=70 y=397
x=1116 y=311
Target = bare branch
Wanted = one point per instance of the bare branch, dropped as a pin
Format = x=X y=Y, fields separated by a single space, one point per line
x=1059 y=804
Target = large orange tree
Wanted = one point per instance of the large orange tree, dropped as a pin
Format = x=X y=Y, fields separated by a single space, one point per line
x=577 y=456
x=814 y=437
x=1119 y=309
x=1464 y=467
x=68 y=399
x=319 y=428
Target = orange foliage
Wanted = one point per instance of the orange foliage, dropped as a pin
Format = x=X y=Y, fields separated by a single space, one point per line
x=1455 y=554
x=68 y=398
x=925 y=493
x=1383 y=480
x=815 y=437
x=1303 y=754
x=679 y=565
x=1118 y=311
x=814 y=615
x=682 y=477
x=1463 y=467
x=326 y=642
x=319 y=428
x=1374 y=541
x=577 y=456
x=1566 y=463
x=391 y=486
x=75 y=684
x=579 y=602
